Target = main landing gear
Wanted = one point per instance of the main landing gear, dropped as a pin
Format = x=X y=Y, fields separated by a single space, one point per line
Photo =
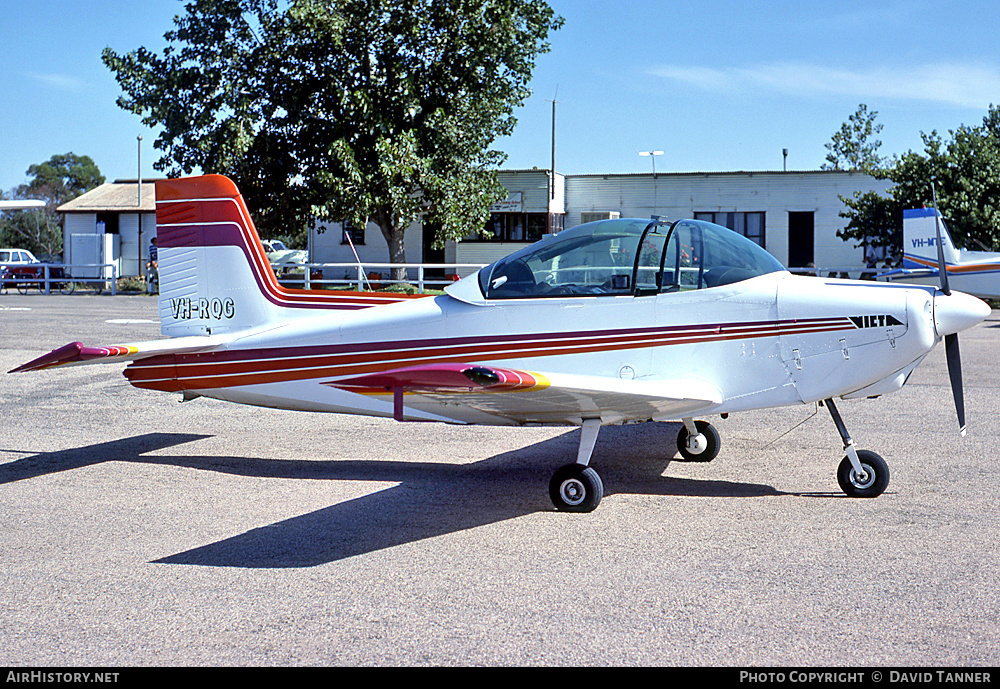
x=578 y=488
x=862 y=473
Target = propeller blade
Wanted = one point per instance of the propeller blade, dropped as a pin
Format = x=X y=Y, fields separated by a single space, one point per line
x=942 y=267
x=955 y=373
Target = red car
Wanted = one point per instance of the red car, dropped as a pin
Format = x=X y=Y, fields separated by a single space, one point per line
x=19 y=268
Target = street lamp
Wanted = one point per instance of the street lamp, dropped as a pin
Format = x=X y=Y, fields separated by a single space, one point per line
x=652 y=156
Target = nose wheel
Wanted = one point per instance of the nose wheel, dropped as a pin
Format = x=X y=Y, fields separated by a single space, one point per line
x=870 y=482
x=862 y=473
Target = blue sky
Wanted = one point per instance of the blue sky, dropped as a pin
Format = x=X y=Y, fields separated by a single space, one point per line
x=715 y=84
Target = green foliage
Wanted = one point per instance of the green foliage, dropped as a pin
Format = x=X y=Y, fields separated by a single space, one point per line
x=352 y=110
x=965 y=171
x=853 y=146
x=60 y=179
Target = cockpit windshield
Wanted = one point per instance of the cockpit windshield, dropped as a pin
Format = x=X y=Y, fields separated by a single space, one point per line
x=628 y=256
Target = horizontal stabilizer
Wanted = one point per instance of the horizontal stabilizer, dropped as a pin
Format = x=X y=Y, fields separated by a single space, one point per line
x=76 y=353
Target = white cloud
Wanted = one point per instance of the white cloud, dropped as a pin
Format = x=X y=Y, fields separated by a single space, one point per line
x=63 y=82
x=956 y=84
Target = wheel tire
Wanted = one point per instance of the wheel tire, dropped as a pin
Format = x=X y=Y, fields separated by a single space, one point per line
x=711 y=435
x=23 y=287
x=67 y=287
x=870 y=486
x=576 y=488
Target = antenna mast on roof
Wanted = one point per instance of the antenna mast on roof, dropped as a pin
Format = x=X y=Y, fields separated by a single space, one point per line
x=552 y=171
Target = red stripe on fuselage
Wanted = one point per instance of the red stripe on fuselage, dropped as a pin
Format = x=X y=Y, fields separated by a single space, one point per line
x=248 y=367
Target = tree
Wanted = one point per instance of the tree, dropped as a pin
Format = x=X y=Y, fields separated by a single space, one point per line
x=965 y=171
x=58 y=180
x=351 y=110
x=853 y=147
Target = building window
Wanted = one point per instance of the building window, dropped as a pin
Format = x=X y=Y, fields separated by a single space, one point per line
x=557 y=222
x=514 y=227
x=750 y=225
x=355 y=235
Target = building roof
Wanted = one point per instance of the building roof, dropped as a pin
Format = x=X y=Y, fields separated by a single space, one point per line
x=119 y=196
x=721 y=173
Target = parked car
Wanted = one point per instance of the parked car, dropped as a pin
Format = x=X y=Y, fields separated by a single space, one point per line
x=9 y=256
x=19 y=268
x=278 y=253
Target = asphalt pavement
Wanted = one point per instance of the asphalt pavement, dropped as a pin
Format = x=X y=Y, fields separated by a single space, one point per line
x=141 y=531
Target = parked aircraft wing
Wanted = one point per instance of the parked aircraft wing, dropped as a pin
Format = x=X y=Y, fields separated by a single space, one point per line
x=532 y=397
x=909 y=272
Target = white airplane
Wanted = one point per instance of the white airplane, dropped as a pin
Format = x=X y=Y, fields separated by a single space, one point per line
x=972 y=272
x=20 y=204
x=611 y=322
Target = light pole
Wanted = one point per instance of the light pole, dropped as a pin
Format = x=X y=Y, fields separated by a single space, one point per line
x=652 y=156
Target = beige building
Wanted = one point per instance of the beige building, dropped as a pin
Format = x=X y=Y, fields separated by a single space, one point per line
x=111 y=225
x=794 y=215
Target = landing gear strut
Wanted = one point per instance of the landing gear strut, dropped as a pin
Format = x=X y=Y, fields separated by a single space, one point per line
x=861 y=474
x=577 y=487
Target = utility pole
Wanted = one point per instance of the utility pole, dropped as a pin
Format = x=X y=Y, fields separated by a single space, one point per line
x=652 y=156
x=139 y=170
x=552 y=170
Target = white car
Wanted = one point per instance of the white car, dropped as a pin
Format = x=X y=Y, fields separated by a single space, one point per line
x=17 y=257
x=278 y=253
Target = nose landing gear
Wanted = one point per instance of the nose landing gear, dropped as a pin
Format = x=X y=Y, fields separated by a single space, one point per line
x=862 y=473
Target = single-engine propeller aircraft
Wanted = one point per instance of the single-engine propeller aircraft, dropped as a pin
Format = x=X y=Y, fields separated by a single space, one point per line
x=610 y=322
x=973 y=272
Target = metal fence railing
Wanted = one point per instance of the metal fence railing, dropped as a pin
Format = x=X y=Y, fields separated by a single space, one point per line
x=370 y=276
x=58 y=277
x=64 y=277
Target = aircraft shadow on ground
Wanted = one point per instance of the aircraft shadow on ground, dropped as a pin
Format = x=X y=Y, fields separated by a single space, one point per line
x=431 y=499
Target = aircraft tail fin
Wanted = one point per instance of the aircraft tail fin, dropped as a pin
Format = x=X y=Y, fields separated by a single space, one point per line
x=920 y=239
x=214 y=275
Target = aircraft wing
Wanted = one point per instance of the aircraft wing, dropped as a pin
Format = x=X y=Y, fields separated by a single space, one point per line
x=76 y=353
x=532 y=397
x=910 y=272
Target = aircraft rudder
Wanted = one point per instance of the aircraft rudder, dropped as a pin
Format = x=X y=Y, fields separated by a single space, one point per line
x=920 y=238
x=213 y=272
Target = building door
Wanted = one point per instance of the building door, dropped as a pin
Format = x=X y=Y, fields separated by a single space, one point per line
x=432 y=255
x=801 y=238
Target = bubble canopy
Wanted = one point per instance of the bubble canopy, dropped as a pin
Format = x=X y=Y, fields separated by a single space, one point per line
x=627 y=256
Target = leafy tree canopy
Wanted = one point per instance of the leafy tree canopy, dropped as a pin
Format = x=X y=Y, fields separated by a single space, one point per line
x=965 y=171
x=60 y=179
x=352 y=110
x=853 y=147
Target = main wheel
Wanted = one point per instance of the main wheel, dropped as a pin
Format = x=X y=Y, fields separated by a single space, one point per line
x=67 y=287
x=712 y=443
x=576 y=488
x=871 y=483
